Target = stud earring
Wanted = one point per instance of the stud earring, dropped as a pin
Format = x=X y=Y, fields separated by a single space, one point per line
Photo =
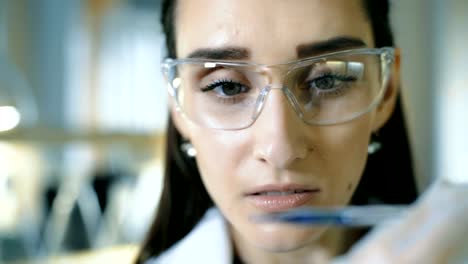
x=188 y=149
x=374 y=145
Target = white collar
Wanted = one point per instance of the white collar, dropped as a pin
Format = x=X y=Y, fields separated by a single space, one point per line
x=208 y=243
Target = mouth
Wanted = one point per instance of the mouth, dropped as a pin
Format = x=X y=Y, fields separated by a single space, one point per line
x=274 y=198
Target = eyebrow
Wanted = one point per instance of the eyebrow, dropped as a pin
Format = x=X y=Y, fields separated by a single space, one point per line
x=303 y=50
x=330 y=45
x=227 y=53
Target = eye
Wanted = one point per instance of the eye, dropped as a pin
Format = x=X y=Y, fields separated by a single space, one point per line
x=226 y=88
x=230 y=88
x=329 y=82
x=324 y=83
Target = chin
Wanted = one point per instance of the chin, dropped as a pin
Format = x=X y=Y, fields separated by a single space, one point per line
x=284 y=238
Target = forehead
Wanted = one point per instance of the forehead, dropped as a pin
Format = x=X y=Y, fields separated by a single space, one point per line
x=271 y=30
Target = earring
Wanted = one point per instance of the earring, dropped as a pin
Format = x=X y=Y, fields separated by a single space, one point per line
x=374 y=145
x=188 y=149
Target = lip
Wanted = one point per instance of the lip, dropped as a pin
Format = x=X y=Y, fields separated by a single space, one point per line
x=274 y=198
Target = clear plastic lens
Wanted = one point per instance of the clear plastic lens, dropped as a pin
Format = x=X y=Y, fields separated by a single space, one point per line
x=326 y=90
x=219 y=97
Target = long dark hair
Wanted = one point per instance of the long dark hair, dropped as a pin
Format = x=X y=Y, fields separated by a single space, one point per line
x=388 y=176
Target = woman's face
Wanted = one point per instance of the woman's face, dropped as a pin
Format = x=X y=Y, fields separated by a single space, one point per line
x=279 y=162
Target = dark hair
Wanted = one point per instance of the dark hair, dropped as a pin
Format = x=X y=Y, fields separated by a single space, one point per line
x=388 y=176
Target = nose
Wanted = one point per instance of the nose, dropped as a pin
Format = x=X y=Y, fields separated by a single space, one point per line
x=280 y=134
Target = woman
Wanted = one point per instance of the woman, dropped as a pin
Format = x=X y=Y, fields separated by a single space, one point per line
x=275 y=105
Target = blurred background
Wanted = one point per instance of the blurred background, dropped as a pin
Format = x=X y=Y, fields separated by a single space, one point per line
x=83 y=113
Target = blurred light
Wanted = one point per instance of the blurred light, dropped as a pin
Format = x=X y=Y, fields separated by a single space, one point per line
x=176 y=82
x=210 y=65
x=9 y=118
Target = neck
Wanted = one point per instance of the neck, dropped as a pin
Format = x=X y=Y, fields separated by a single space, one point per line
x=330 y=244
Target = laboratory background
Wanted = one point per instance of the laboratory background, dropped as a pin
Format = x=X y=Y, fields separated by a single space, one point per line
x=83 y=110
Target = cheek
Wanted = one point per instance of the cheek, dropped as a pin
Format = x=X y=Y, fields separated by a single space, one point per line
x=345 y=153
x=220 y=156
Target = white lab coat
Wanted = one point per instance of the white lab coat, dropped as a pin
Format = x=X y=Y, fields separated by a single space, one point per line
x=208 y=243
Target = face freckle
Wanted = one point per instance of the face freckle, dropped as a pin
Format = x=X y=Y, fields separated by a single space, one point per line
x=350 y=186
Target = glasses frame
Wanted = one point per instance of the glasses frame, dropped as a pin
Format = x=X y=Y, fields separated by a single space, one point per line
x=387 y=58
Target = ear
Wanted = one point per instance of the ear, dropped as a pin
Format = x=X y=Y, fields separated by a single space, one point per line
x=386 y=107
x=179 y=121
